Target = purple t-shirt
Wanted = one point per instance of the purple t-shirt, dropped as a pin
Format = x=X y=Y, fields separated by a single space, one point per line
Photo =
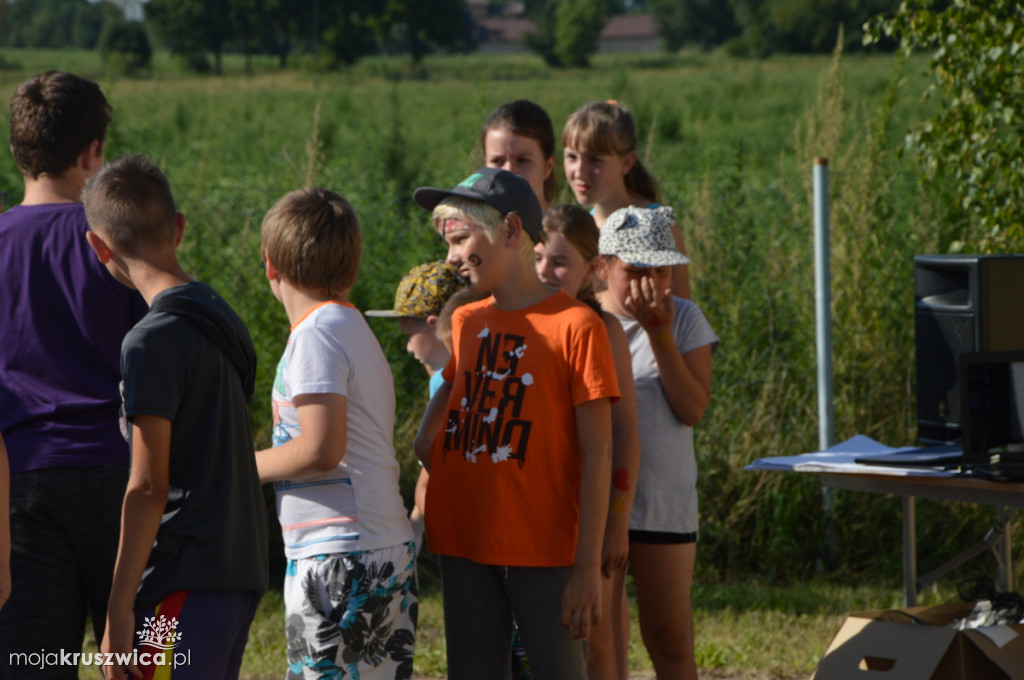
x=62 y=319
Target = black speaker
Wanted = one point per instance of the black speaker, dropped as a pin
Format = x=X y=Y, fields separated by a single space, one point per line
x=963 y=303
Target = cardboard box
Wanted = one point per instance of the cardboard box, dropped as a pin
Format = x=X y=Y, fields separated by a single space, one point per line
x=917 y=644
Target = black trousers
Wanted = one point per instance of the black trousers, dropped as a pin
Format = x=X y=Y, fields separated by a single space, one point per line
x=65 y=525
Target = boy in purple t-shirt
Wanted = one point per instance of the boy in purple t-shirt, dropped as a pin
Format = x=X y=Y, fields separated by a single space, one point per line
x=62 y=319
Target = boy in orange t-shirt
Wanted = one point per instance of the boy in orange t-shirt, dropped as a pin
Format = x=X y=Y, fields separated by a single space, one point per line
x=518 y=443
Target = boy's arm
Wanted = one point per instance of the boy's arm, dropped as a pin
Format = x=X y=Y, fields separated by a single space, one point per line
x=433 y=420
x=420 y=492
x=686 y=380
x=144 y=502
x=625 y=456
x=5 y=526
x=320 y=446
x=581 y=599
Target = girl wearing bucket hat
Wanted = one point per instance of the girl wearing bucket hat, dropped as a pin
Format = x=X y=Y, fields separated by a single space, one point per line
x=671 y=345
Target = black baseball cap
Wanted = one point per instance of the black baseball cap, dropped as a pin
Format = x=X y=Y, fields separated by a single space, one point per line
x=504 y=191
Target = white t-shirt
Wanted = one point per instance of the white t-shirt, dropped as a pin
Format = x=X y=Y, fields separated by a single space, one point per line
x=356 y=506
x=666 y=490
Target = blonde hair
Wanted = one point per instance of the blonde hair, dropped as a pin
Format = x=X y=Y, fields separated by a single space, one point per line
x=609 y=128
x=313 y=238
x=482 y=215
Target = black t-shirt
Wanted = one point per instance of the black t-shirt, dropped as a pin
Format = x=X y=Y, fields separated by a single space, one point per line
x=190 y=360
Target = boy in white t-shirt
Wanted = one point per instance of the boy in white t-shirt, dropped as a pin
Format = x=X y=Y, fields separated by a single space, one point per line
x=420 y=296
x=350 y=594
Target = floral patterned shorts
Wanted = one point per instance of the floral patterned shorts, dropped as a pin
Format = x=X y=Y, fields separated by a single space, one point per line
x=352 y=615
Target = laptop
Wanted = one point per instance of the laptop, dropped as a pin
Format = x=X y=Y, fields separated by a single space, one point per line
x=992 y=422
x=992 y=405
x=940 y=456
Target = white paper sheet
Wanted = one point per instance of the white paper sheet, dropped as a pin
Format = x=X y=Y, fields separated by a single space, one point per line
x=840 y=458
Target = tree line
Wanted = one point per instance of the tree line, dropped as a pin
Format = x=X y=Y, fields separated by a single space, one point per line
x=339 y=32
x=200 y=32
x=567 y=30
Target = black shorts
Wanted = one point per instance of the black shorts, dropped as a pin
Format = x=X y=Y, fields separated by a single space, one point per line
x=661 y=537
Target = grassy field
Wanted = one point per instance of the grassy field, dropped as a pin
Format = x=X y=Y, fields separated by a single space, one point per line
x=732 y=143
x=778 y=631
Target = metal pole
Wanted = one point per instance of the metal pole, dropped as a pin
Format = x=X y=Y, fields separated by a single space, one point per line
x=909 y=552
x=823 y=335
x=823 y=306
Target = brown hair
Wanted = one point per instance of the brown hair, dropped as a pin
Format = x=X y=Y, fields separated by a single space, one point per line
x=129 y=202
x=526 y=119
x=443 y=327
x=54 y=117
x=579 y=228
x=314 y=240
x=609 y=128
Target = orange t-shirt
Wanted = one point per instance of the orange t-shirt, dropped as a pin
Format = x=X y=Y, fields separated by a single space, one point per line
x=505 y=469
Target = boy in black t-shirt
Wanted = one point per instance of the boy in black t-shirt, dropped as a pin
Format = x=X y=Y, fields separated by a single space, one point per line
x=192 y=559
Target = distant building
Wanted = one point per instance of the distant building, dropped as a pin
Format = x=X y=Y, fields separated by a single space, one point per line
x=629 y=33
x=504 y=33
x=501 y=34
x=485 y=8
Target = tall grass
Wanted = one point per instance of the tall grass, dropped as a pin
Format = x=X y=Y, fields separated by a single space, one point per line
x=732 y=144
x=765 y=393
x=776 y=631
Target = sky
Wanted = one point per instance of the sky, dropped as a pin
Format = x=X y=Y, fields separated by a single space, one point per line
x=132 y=8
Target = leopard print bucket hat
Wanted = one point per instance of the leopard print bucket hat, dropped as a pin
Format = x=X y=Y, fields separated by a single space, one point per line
x=642 y=237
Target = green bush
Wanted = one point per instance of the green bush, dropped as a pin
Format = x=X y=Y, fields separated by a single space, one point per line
x=578 y=24
x=973 y=139
x=125 y=48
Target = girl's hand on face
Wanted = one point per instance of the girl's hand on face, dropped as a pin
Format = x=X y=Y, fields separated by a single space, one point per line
x=652 y=309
